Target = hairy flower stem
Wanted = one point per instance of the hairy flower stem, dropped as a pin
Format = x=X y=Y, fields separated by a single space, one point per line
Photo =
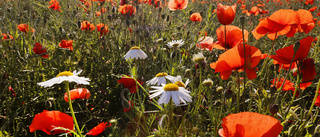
x=239 y=93
x=71 y=109
x=245 y=62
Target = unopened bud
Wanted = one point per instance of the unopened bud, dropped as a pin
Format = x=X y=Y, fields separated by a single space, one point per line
x=296 y=46
x=274 y=108
x=228 y=93
x=273 y=90
x=242 y=20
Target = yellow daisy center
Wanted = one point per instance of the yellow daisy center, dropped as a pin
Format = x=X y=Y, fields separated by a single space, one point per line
x=135 y=47
x=161 y=74
x=180 y=84
x=171 y=87
x=65 y=73
x=175 y=44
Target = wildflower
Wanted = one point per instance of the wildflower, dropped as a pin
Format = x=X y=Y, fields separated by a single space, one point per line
x=208 y=82
x=47 y=121
x=226 y=14
x=234 y=37
x=24 y=28
x=39 y=49
x=66 y=76
x=281 y=22
x=55 y=6
x=66 y=44
x=205 y=43
x=135 y=53
x=99 y=129
x=178 y=81
x=249 y=124
x=198 y=58
x=285 y=55
x=195 y=17
x=308 y=71
x=177 y=4
x=313 y=9
x=127 y=9
x=288 y=85
x=306 y=23
x=6 y=36
x=175 y=43
x=12 y=91
x=171 y=91
x=233 y=59
x=102 y=28
x=129 y=108
x=129 y=83
x=85 y=25
x=78 y=93
x=159 y=79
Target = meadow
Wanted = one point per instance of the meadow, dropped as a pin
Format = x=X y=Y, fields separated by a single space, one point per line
x=231 y=68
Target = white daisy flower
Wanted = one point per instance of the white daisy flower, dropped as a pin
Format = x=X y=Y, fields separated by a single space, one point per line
x=178 y=81
x=175 y=43
x=198 y=58
x=208 y=82
x=66 y=76
x=135 y=53
x=171 y=91
x=160 y=79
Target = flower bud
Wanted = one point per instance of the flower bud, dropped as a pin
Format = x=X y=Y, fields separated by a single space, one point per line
x=228 y=93
x=274 y=108
x=219 y=89
x=242 y=20
x=296 y=46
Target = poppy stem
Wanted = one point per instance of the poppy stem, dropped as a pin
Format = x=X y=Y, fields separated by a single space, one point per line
x=71 y=109
x=245 y=63
x=225 y=38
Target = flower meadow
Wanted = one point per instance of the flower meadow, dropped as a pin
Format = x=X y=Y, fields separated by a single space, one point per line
x=229 y=68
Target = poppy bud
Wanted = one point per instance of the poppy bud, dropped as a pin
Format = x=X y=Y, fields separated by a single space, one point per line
x=12 y=91
x=163 y=16
x=242 y=20
x=113 y=10
x=296 y=46
x=273 y=90
x=274 y=108
x=79 y=24
x=228 y=93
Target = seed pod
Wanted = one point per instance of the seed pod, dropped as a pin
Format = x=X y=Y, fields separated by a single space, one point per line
x=228 y=93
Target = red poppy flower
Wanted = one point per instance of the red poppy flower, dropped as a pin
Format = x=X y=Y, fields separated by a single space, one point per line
x=127 y=9
x=249 y=124
x=243 y=6
x=306 y=21
x=122 y=2
x=78 y=93
x=39 y=49
x=52 y=1
x=288 y=86
x=55 y=6
x=285 y=66
x=313 y=9
x=48 y=120
x=24 y=28
x=156 y=3
x=285 y=55
x=99 y=129
x=205 y=43
x=102 y=28
x=6 y=36
x=177 y=4
x=12 y=91
x=85 y=25
x=66 y=44
x=195 y=17
x=129 y=83
x=308 y=72
x=255 y=10
x=234 y=37
x=226 y=14
x=281 y=22
x=233 y=59
x=317 y=102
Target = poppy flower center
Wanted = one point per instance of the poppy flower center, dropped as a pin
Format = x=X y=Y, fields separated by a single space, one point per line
x=171 y=87
x=180 y=84
x=65 y=73
x=135 y=47
x=161 y=74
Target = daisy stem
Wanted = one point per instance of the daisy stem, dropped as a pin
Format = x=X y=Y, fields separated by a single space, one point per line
x=71 y=109
x=199 y=91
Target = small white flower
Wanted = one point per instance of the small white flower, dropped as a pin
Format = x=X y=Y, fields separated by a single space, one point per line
x=66 y=76
x=198 y=58
x=135 y=53
x=171 y=91
x=175 y=43
x=178 y=81
x=160 y=79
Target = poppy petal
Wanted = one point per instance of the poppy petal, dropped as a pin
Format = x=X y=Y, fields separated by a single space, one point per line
x=98 y=129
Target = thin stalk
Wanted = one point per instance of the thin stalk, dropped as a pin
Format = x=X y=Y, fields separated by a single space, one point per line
x=225 y=38
x=71 y=109
x=245 y=62
x=238 y=95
